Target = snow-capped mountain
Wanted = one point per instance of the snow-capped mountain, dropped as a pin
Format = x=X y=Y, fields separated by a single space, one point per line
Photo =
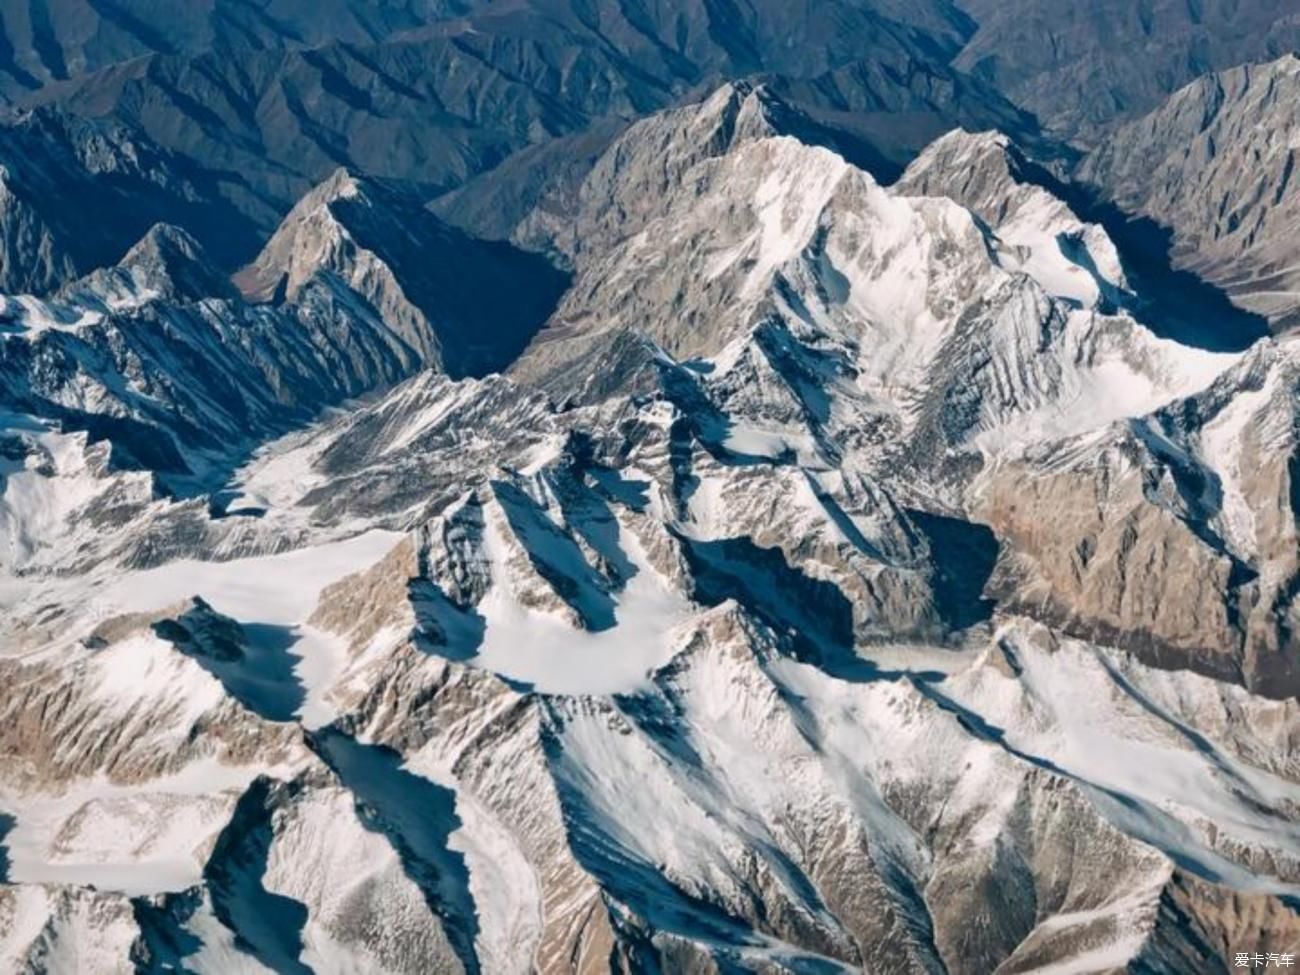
x=843 y=578
x=178 y=382
x=185 y=370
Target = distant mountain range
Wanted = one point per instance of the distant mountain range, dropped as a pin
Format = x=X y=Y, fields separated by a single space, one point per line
x=537 y=486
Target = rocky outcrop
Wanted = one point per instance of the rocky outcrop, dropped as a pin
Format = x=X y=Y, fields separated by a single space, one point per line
x=1218 y=920
x=462 y=305
x=1098 y=548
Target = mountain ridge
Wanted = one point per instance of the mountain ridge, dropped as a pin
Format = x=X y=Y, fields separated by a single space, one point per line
x=1214 y=164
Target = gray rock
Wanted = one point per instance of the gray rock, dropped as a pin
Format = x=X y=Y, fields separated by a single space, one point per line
x=1214 y=165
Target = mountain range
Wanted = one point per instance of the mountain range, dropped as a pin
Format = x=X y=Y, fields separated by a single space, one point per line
x=539 y=486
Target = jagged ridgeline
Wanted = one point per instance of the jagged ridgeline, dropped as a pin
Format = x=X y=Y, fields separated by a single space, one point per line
x=482 y=492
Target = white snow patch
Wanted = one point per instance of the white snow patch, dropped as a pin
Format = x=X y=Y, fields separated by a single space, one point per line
x=34 y=316
x=1221 y=445
x=1131 y=376
x=1085 y=724
x=1107 y=958
x=279 y=589
x=543 y=650
x=137 y=839
x=757 y=440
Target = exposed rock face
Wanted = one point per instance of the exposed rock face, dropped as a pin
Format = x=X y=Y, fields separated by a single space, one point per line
x=87 y=717
x=358 y=607
x=1174 y=534
x=623 y=192
x=1116 y=561
x=1083 y=67
x=1215 y=164
x=464 y=305
x=1220 y=919
x=54 y=165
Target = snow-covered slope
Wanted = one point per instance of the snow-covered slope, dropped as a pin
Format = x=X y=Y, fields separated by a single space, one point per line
x=178 y=383
x=1041 y=235
x=944 y=324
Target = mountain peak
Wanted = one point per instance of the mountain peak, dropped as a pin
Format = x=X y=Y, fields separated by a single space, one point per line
x=962 y=144
x=173 y=255
x=460 y=303
x=629 y=181
x=307 y=240
x=341 y=184
x=172 y=262
x=1021 y=203
x=961 y=155
x=166 y=263
x=741 y=110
